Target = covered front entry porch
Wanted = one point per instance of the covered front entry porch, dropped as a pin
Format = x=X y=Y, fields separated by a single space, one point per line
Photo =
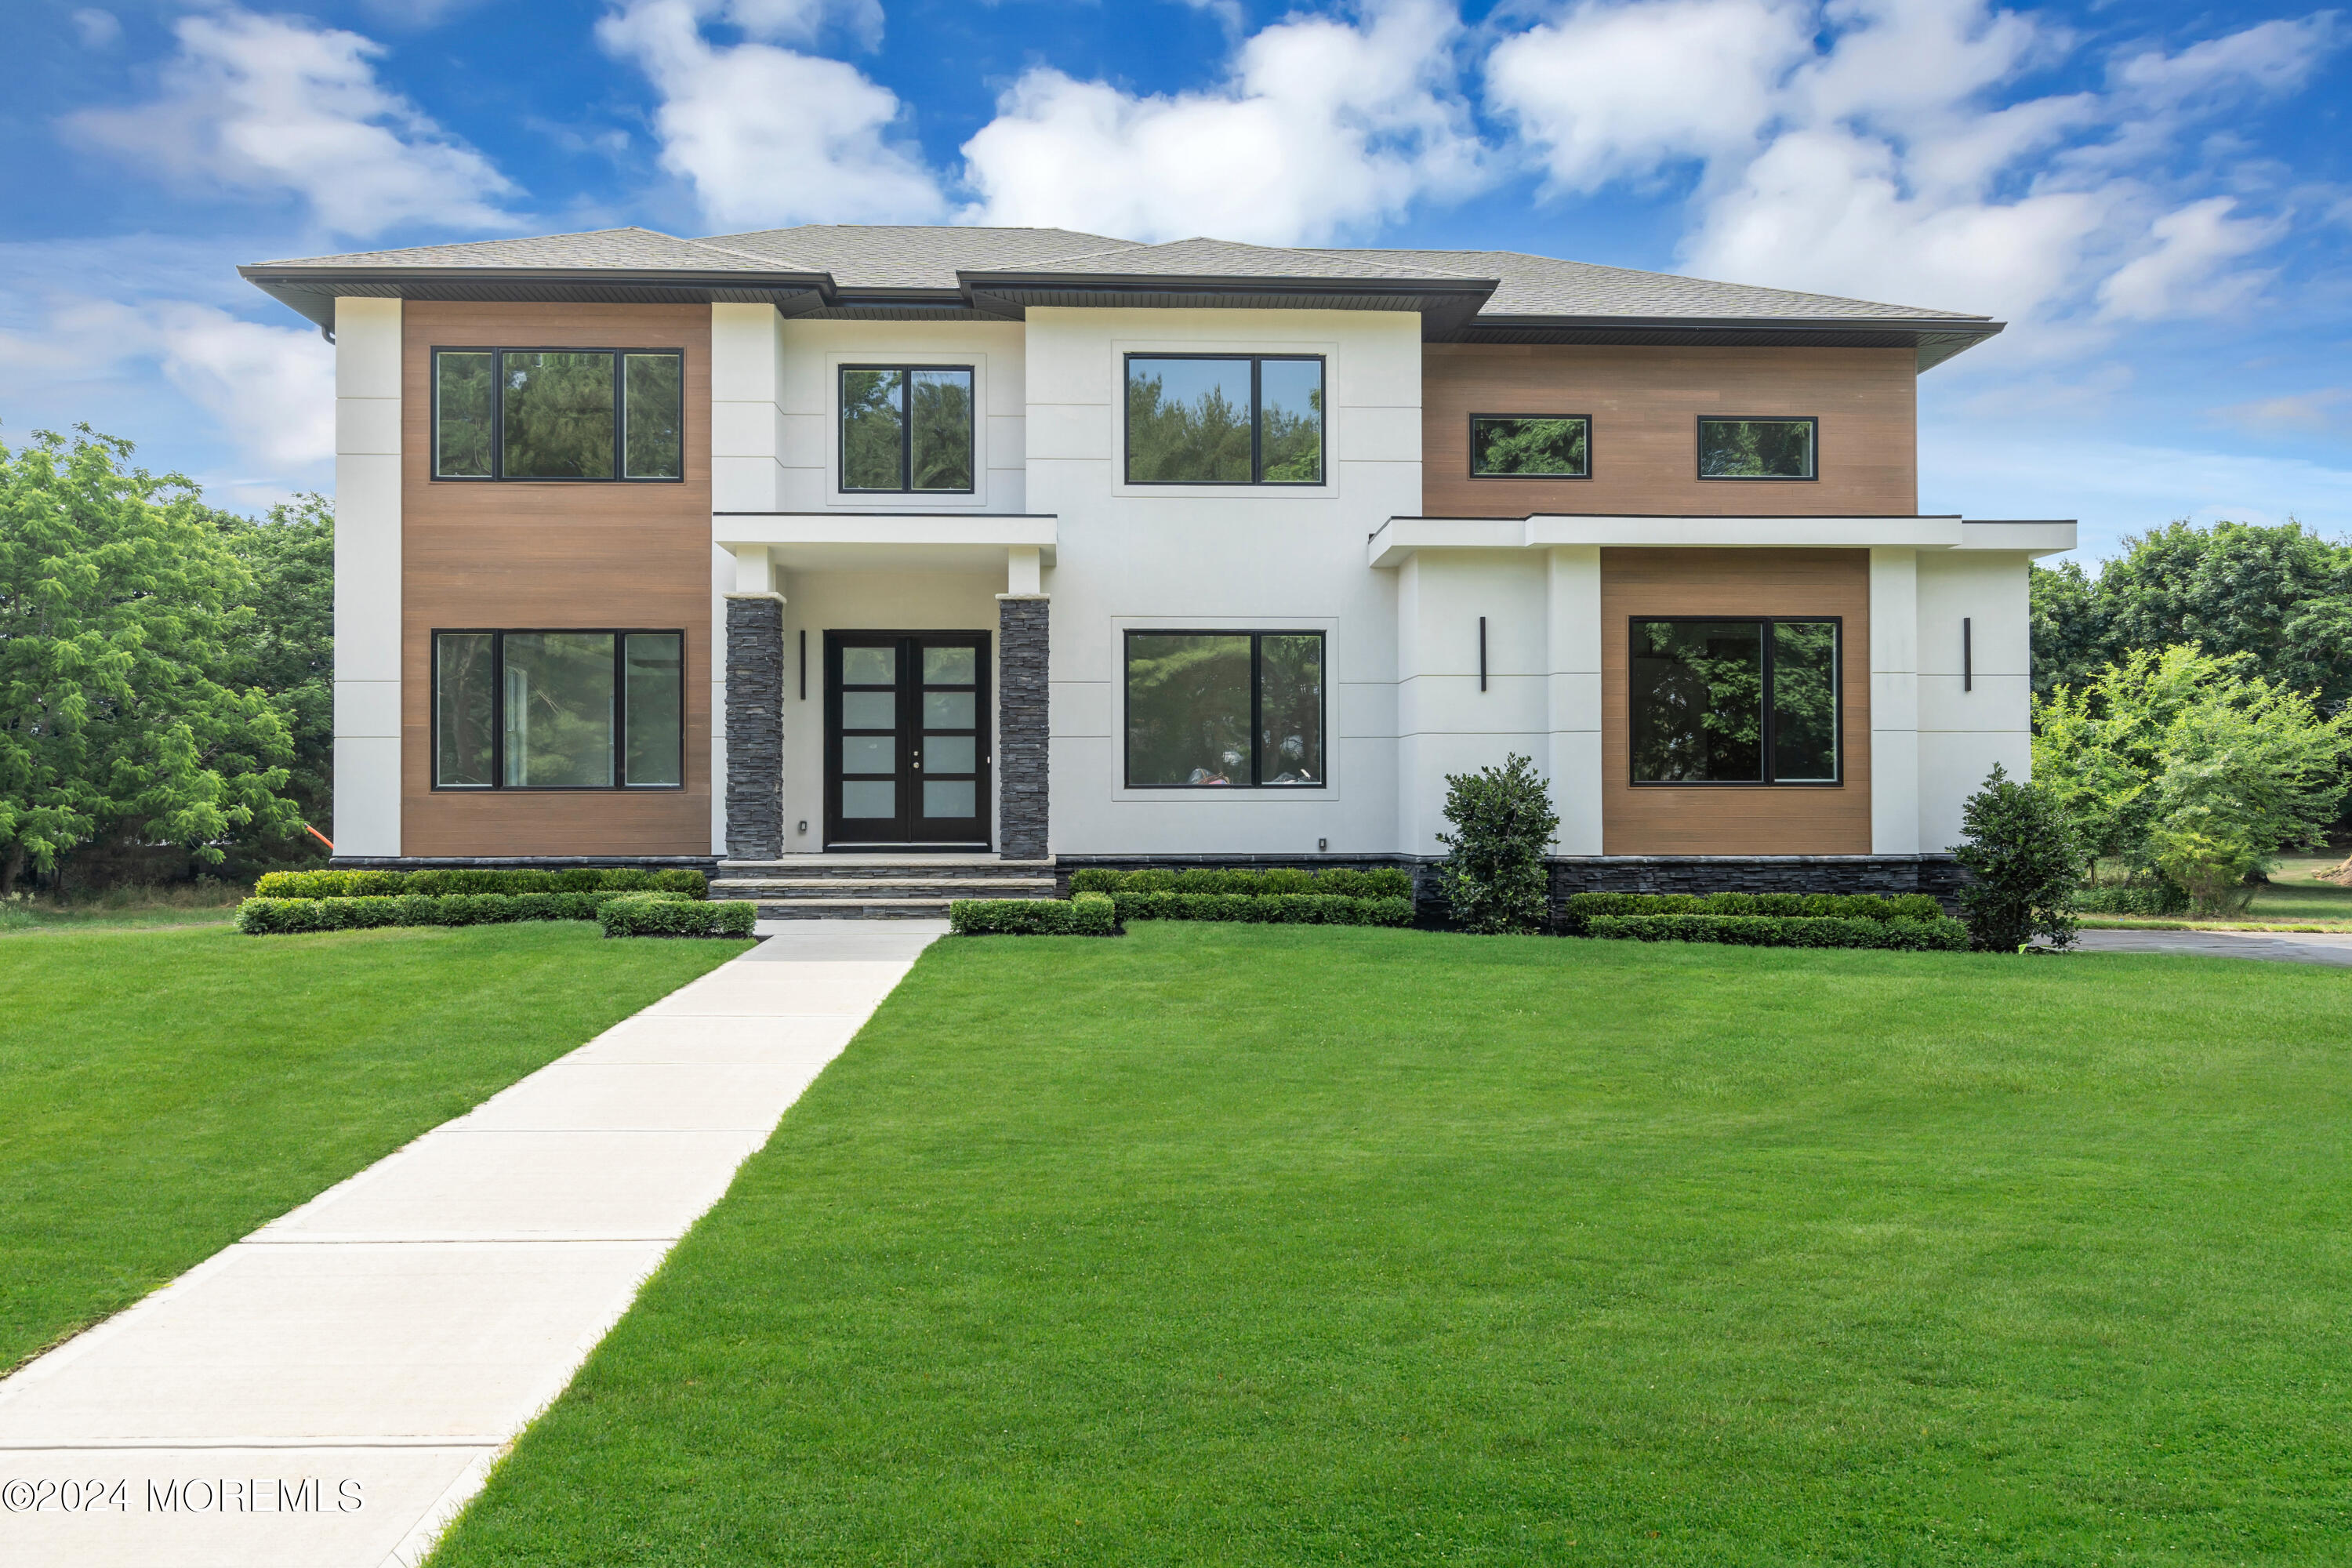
x=883 y=685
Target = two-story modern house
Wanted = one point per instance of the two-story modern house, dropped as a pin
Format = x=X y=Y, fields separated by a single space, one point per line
x=1033 y=544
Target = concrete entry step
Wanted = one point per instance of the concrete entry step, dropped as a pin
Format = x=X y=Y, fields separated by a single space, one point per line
x=883 y=886
x=853 y=908
x=868 y=864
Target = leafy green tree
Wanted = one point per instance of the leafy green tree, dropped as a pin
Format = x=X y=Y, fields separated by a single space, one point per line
x=2024 y=857
x=289 y=651
x=121 y=613
x=2186 y=765
x=1493 y=874
x=2279 y=594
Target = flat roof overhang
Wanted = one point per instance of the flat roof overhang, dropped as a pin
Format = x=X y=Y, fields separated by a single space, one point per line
x=312 y=291
x=1401 y=538
x=1931 y=339
x=886 y=540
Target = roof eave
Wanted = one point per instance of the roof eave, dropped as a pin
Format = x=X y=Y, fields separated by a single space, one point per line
x=1449 y=301
x=1934 y=339
x=312 y=291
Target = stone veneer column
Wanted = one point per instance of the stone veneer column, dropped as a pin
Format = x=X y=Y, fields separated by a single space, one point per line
x=755 y=726
x=1022 y=732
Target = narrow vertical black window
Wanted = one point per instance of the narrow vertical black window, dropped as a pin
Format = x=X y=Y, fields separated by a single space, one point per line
x=1224 y=709
x=907 y=429
x=559 y=709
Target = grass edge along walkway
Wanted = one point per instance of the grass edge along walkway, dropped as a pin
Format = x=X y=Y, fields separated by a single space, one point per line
x=164 y=1092
x=1254 y=1244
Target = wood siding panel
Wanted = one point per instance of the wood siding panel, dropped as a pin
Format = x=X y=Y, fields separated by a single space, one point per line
x=1645 y=405
x=522 y=555
x=1723 y=819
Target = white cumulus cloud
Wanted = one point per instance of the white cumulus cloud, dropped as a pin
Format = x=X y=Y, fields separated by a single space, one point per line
x=767 y=135
x=275 y=104
x=1884 y=148
x=1324 y=125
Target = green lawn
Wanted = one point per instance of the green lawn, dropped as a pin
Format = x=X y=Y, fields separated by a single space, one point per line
x=163 y=1092
x=1257 y=1245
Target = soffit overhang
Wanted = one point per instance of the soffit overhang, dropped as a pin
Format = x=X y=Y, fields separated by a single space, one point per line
x=1400 y=539
x=1449 y=308
x=312 y=291
x=1932 y=341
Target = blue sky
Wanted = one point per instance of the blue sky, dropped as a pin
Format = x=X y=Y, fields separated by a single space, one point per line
x=2156 y=196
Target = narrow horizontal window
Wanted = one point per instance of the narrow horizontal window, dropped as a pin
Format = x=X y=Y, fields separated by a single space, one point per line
x=1530 y=446
x=559 y=414
x=1204 y=419
x=908 y=429
x=1734 y=702
x=1756 y=448
x=1224 y=709
x=558 y=710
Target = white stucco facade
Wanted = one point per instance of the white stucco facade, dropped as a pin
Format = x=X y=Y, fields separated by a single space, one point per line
x=1407 y=700
x=1399 y=598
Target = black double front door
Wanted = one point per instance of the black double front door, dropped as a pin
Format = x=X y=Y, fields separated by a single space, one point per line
x=906 y=740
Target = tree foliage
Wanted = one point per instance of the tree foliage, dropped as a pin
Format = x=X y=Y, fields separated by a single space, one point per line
x=124 y=631
x=2024 y=856
x=288 y=652
x=1493 y=875
x=2279 y=594
x=2186 y=765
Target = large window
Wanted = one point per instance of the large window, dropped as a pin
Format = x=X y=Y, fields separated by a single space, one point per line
x=1757 y=448
x=1530 y=446
x=559 y=709
x=1201 y=419
x=559 y=414
x=1221 y=709
x=1735 y=702
x=907 y=429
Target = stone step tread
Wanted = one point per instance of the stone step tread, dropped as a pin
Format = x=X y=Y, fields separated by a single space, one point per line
x=834 y=906
x=849 y=885
x=828 y=863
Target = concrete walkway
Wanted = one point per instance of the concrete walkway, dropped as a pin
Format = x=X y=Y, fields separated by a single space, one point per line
x=2283 y=947
x=328 y=1392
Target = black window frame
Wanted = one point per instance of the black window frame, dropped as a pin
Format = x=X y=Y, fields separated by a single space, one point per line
x=906 y=432
x=1257 y=480
x=498 y=635
x=1765 y=737
x=1257 y=700
x=1698 y=450
x=1471 y=456
x=496 y=476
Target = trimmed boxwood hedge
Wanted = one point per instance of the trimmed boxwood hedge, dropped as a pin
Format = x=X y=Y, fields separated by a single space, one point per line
x=280 y=917
x=1582 y=908
x=439 y=883
x=664 y=914
x=1273 y=909
x=1785 y=931
x=2163 y=898
x=1383 y=882
x=1081 y=914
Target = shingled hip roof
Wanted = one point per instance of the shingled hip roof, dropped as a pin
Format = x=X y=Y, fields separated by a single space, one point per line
x=1475 y=296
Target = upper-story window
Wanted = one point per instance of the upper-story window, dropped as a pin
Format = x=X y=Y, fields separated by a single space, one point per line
x=1530 y=446
x=907 y=429
x=1757 y=448
x=559 y=414
x=1219 y=419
